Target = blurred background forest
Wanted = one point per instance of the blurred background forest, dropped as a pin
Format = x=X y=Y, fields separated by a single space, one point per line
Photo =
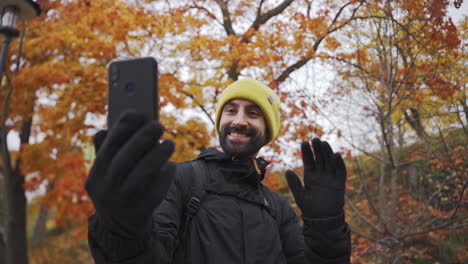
x=384 y=81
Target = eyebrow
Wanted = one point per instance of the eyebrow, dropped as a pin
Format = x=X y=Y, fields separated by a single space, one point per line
x=231 y=104
x=250 y=106
x=254 y=106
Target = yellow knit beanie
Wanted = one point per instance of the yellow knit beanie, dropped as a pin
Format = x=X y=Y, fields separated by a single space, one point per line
x=258 y=94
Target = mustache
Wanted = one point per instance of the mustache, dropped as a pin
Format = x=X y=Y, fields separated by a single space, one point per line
x=239 y=129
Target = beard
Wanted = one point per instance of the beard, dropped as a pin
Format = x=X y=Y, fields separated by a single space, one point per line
x=242 y=149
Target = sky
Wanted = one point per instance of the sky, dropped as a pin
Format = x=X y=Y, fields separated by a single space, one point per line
x=459 y=13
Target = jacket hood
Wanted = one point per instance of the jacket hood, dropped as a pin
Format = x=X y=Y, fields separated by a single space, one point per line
x=239 y=168
x=214 y=154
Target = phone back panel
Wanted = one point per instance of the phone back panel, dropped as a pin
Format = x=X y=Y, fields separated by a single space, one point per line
x=132 y=84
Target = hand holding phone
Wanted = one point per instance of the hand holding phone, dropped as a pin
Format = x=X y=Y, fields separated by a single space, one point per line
x=131 y=173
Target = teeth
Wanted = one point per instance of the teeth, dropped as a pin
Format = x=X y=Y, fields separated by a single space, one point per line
x=238 y=135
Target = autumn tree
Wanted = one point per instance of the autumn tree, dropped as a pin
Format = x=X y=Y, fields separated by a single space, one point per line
x=400 y=75
x=59 y=88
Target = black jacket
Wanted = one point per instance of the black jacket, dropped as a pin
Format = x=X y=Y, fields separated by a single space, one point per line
x=239 y=221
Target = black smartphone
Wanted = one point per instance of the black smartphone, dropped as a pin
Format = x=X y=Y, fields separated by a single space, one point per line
x=132 y=84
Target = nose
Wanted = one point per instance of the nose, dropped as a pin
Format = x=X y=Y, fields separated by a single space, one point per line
x=239 y=119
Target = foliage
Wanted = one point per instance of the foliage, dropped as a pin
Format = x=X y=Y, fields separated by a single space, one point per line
x=61 y=248
x=428 y=218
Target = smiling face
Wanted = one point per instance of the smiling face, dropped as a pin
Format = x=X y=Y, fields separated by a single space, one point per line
x=242 y=128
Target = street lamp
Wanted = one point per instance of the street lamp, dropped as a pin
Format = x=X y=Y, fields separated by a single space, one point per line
x=11 y=11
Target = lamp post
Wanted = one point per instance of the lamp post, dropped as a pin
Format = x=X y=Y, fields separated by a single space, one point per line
x=11 y=11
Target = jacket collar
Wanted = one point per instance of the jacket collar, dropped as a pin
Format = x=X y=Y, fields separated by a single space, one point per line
x=253 y=170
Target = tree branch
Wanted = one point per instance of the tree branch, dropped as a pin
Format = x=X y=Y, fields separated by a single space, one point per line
x=262 y=19
x=273 y=12
x=364 y=236
x=199 y=105
x=285 y=74
x=441 y=226
x=208 y=12
x=368 y=194
x=227 y=23
x=317 y=43
x=427 y=204
x=459 y=201
x=259 y=9
x=361 y=216
x=349 y=141
x=295 y=66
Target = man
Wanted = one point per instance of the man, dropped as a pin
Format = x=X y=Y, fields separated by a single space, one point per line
x=216 y=209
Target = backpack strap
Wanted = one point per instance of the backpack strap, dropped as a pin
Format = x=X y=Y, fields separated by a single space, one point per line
x=193 y=203
x=197 y=193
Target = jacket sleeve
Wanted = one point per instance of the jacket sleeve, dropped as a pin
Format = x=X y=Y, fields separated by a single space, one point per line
x=320 y=241
x=108 y=247
x=327 y=240
x=291 y=234
x=167 y=218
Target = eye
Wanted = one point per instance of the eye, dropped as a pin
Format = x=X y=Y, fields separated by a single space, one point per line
x=230 y=110
x=254 y=113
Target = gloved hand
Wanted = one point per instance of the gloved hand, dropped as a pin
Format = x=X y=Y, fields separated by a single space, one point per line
x=324 y=180
x=130 y=175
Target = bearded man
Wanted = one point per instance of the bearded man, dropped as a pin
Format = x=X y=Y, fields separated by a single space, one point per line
x=214 y=209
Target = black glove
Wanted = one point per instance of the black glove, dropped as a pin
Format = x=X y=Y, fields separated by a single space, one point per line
x=130 y=175
x=324 y=178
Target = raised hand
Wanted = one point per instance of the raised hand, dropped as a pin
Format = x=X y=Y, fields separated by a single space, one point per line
x=130 y=175
x=324 y=181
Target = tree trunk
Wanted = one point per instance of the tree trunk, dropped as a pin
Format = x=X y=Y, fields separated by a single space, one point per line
x=465 y=109
x=40 y=227
x=2 y=245
x=382 y=200
x=2 y=222
x=414 y=120
x=16 y=246
x=15 y=219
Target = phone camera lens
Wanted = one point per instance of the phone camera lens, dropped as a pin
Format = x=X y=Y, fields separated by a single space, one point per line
x=131 y=89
